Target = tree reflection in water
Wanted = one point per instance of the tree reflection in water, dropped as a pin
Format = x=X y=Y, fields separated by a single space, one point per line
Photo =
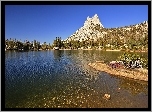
x=58 y=54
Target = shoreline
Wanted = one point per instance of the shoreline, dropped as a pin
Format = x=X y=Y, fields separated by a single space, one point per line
x=85 y=49
x=104 y=50
x=138 y=74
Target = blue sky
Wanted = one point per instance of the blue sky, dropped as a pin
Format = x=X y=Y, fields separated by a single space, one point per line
x=46 y=22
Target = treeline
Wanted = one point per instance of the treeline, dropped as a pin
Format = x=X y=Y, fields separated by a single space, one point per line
x=13 y=44
x=68 y=45
x=128 y=37
x=104 y=43
x=74 y=44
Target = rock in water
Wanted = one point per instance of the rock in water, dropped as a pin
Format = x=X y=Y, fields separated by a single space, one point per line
x=107 y=96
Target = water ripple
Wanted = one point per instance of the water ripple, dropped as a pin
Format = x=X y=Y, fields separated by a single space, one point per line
x=56 y=79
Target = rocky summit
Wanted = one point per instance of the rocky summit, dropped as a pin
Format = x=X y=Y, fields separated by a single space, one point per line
x=93 y=30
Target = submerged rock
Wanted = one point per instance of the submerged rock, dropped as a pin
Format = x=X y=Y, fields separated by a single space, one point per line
x=107 y=96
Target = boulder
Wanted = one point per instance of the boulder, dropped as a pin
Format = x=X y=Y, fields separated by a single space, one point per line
x=107 y=96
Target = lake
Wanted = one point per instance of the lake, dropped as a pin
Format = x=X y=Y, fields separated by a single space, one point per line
x=62 y=79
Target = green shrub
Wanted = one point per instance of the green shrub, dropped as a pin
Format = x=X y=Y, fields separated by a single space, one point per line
x=126 y=58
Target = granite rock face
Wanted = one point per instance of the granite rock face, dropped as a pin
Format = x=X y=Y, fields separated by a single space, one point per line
x=93 y=29
x=87 y=31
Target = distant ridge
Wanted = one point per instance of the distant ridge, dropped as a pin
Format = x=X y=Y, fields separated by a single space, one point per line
x=93 y=29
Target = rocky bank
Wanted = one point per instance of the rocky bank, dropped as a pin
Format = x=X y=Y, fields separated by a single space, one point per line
x=138 y=74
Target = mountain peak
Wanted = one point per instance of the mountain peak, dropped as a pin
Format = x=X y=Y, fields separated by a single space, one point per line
x=87 y=30
x=95 y=15
x=94 y=20
x=93 y=29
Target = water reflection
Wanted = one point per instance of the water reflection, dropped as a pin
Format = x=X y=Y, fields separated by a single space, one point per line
x=10 y=54
x=63 y=79
x=58 y=54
